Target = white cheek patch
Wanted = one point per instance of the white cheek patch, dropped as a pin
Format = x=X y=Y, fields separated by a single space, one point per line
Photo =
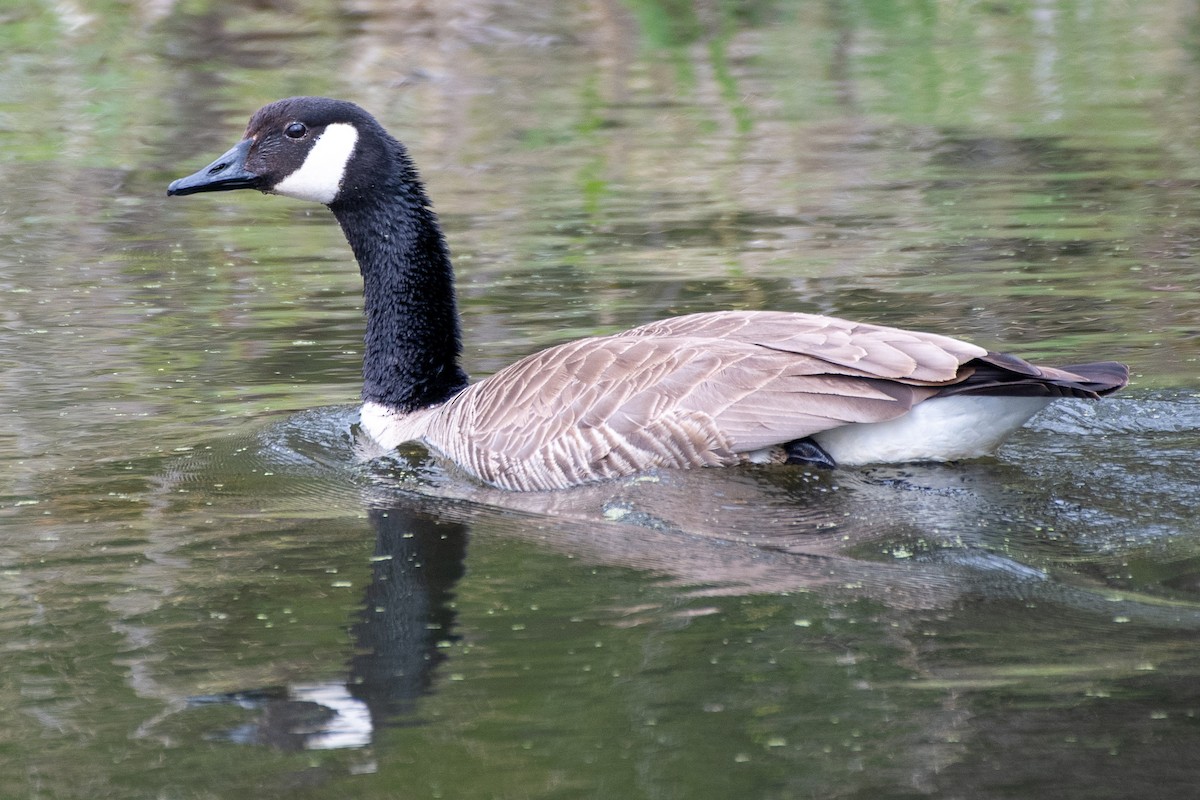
x=320 y=176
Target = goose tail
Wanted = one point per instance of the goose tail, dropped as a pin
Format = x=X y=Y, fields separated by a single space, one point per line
x=1100 y=378
x=1005 y=374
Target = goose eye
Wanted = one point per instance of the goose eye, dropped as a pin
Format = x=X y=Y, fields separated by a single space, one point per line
x=295 y=130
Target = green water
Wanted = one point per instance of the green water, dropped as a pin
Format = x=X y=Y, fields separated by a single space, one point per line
x=197 y=570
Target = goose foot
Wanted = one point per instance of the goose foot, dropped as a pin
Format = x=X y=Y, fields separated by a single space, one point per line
x=808 y=453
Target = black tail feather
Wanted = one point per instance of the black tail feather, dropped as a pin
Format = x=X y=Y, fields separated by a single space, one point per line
x=1004 y=374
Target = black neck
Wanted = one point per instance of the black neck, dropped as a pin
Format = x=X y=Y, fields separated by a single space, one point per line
x=412 y=337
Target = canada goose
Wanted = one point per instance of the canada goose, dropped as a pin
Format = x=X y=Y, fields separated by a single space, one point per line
x=711 y=389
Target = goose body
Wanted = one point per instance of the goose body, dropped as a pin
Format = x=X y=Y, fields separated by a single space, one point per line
x=710 y=389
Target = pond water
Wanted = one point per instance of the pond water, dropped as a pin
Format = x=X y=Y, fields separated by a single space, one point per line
x=205 y=591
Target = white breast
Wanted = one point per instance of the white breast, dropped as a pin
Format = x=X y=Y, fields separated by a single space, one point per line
x=391 y=428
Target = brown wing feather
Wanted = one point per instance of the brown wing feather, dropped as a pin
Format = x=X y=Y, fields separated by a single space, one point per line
x=697 y=390
x=857 y=348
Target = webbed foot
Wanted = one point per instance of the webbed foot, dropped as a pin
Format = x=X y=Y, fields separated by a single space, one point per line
x=809 y=453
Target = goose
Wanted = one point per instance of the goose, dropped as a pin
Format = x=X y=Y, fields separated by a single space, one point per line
x=707 y=389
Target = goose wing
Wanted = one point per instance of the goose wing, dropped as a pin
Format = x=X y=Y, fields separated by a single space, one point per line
x=850 y=348
x=700 y=390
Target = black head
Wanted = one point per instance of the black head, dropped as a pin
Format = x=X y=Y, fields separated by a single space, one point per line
x=310 y=148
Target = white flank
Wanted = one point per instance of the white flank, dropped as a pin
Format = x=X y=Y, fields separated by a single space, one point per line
x=942 y=429
x=320 y=176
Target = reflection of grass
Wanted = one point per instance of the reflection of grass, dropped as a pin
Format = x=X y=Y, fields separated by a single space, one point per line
x=592 y=182
x=718 y=52
x=671 y=27
x=666 y=24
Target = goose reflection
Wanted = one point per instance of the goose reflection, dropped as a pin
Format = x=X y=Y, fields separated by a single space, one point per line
x=405 y=622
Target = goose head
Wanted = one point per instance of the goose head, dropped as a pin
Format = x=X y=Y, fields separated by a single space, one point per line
x=309 y=148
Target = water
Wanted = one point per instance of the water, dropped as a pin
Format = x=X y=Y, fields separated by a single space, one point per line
x=205 y=591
